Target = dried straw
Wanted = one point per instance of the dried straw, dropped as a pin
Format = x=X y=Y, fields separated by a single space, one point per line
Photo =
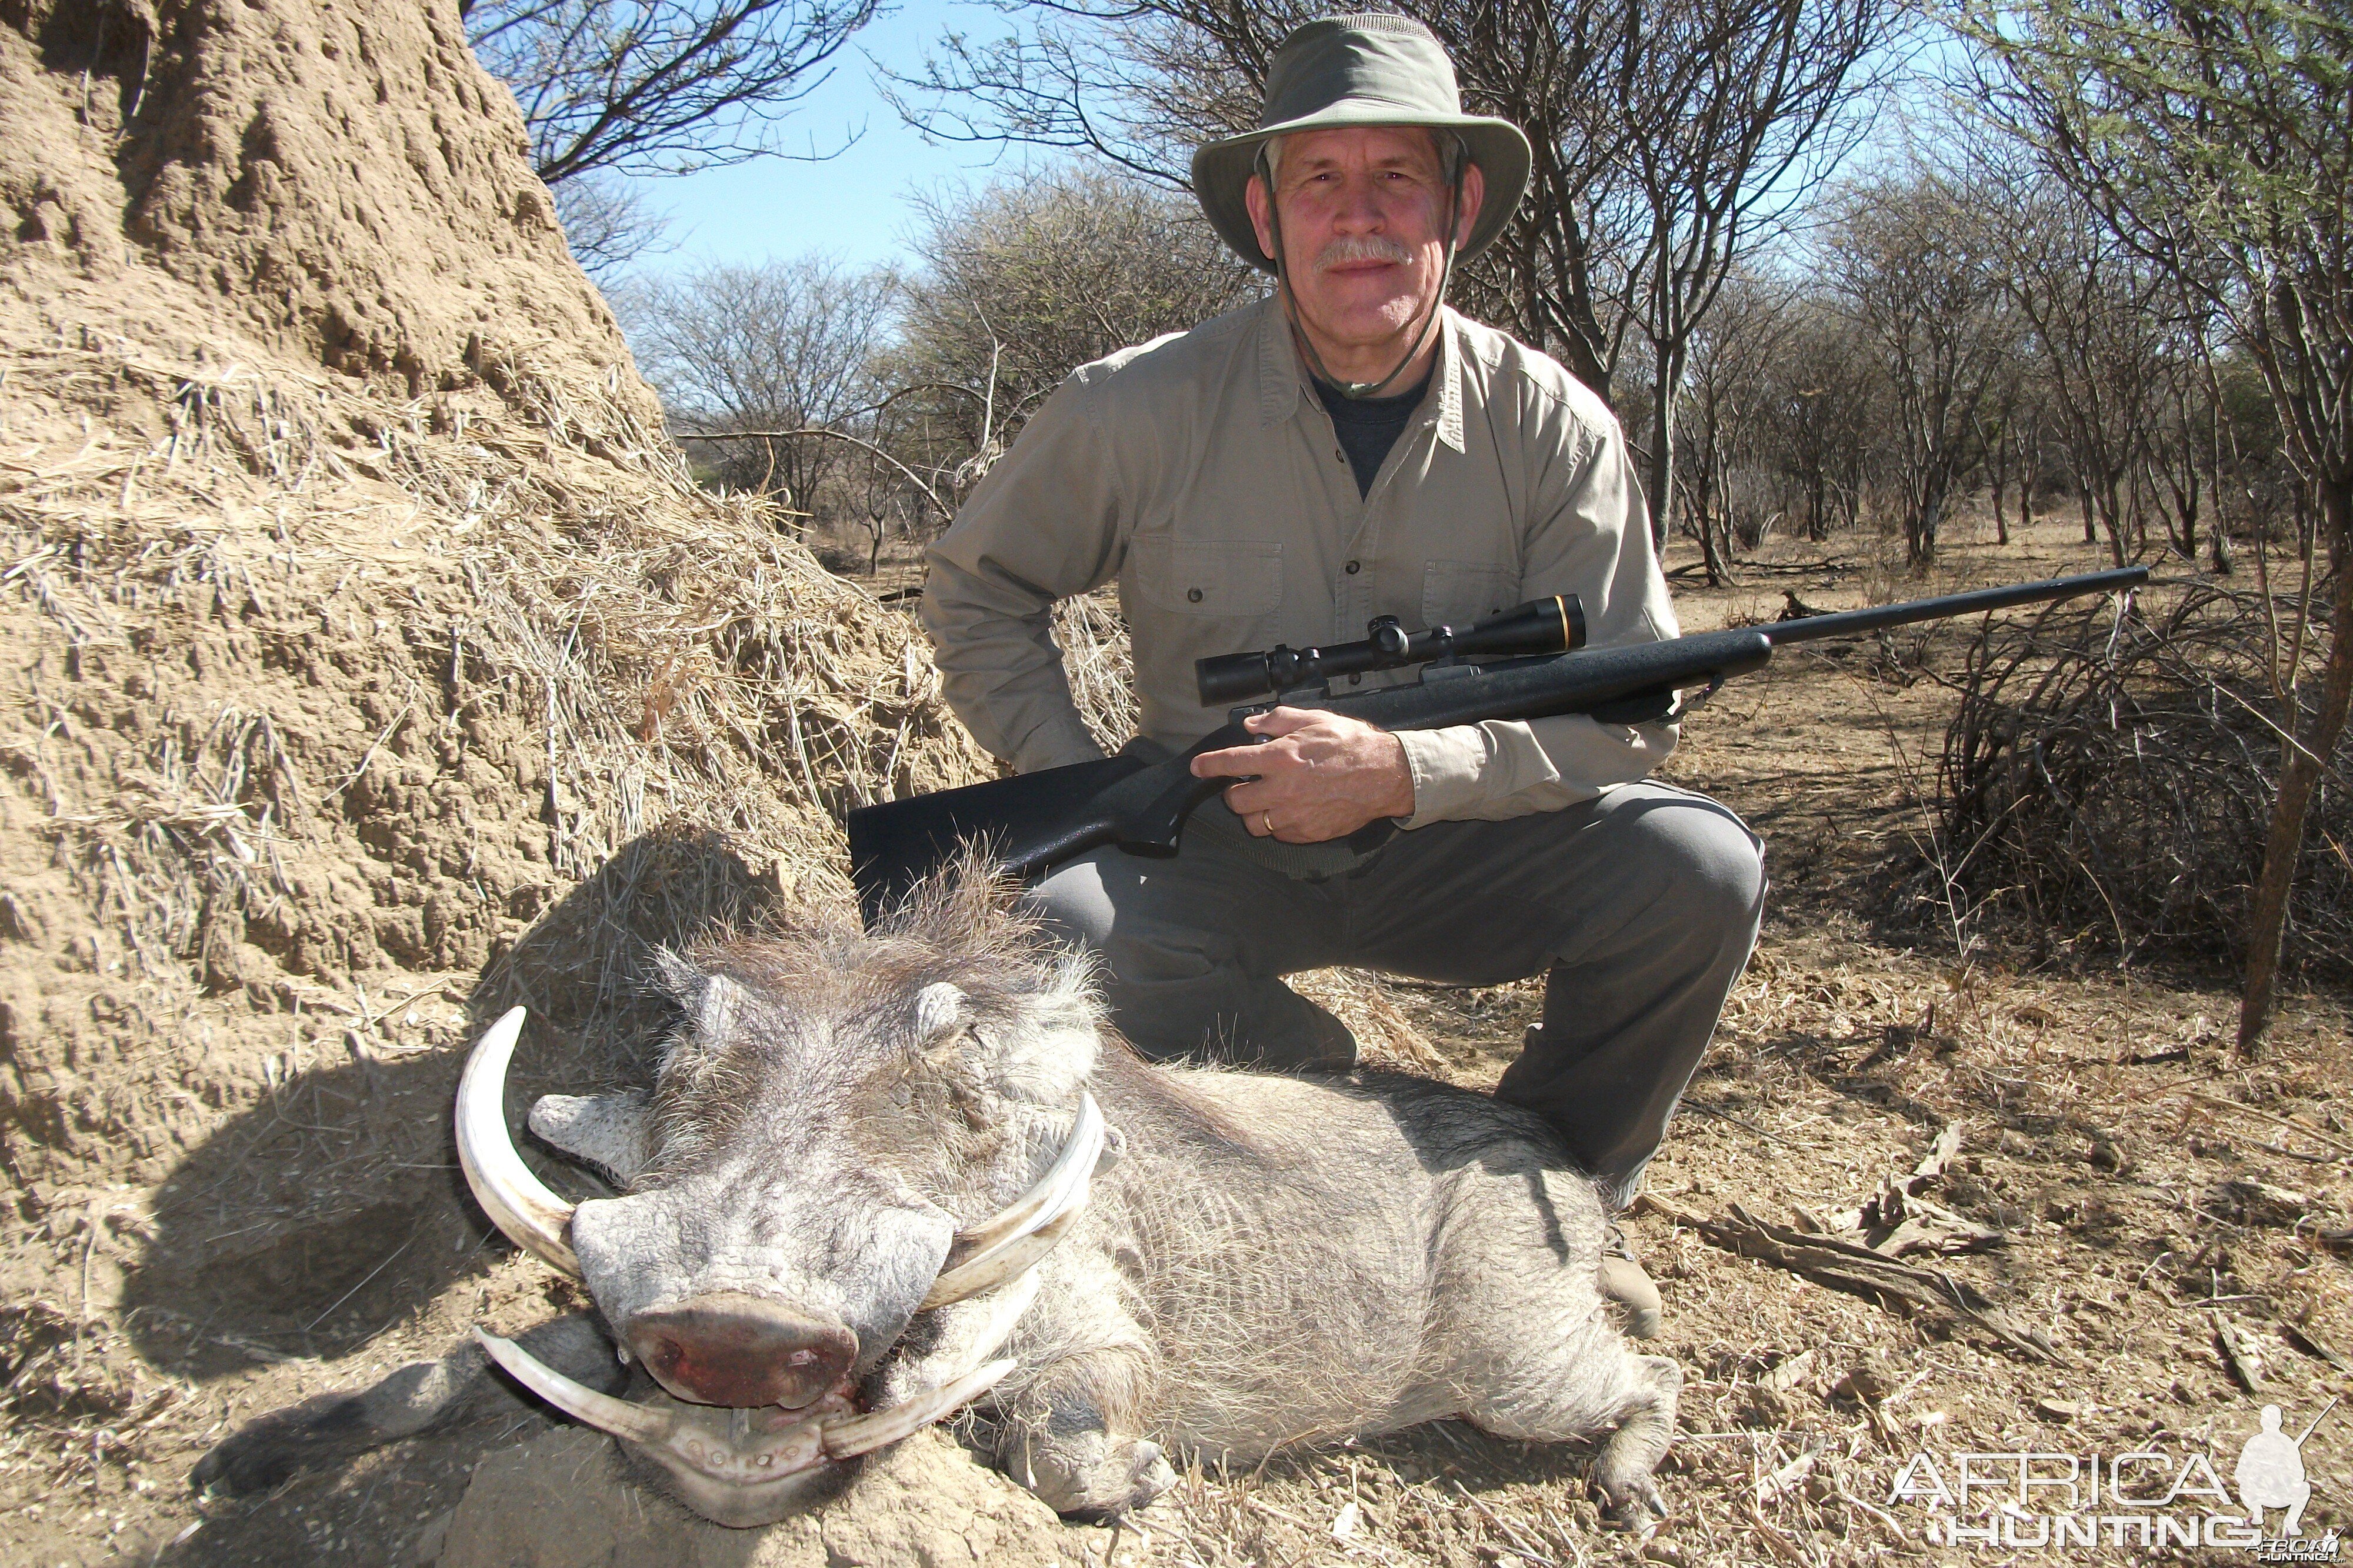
x=521 y=565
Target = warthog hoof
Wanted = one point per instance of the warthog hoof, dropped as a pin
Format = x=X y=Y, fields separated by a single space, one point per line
x=1630 y=1502
x=1093 y=1476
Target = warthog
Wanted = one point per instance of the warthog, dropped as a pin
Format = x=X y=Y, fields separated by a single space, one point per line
x=906 y=1172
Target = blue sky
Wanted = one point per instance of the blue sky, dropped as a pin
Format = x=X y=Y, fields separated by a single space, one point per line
x=855 y=205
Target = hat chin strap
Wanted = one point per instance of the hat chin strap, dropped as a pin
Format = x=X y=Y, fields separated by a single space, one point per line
x=1359 y=390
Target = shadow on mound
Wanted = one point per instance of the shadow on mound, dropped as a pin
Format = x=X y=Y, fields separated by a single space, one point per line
x=332 y=1209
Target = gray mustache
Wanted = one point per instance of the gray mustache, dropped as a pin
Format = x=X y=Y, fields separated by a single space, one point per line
x=1355 y=248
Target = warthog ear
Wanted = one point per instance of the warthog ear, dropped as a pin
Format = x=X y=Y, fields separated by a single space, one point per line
x=612 y=1132
x=939 y=1011
x=1041 y=1053
x=712 y=1002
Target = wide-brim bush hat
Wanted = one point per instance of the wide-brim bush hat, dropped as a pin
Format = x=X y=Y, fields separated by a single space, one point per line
x=1370 y=68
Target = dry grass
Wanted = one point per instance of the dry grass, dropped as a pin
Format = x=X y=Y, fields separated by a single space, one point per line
x=677 y=658
x=1094 y=640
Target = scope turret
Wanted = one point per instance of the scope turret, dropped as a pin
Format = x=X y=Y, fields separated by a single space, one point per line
x=1555 y=624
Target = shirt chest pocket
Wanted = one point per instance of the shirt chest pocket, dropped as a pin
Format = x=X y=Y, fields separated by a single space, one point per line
x=1457 y=593
x=1225 y=577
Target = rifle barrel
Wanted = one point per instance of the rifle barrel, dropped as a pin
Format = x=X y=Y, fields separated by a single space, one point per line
x=1847 y=622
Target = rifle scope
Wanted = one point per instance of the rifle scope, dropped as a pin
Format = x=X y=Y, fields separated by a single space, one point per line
x=1555 y=624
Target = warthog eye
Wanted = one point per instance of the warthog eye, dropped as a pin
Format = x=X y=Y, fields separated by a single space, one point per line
x=800 y=1358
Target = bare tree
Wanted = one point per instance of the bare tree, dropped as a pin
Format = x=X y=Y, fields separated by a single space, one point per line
x=2215 y=138
x=2097 y=313
x=1733 y=111
x=2010 y=435
x=786 y=346
x=2184 y=462
x=1824 y=387
x=612 y=88
x=1925 y=286
x=667 y=85
x=609 y=224
x=1731 y=390
x=1024 y=281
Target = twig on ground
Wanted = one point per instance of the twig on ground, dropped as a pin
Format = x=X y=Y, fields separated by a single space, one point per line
x=1773 y=1537
x=2223 y=1102
x=1499 y=1523
x=1857 y=1270
x=2240 y=1352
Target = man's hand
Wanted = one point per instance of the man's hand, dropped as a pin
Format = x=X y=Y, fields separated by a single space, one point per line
x=1319 y=776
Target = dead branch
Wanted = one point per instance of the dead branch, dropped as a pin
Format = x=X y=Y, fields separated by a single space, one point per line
x=1859 y=1270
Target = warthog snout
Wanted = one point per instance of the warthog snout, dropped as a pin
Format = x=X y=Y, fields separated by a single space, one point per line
x=727 y=1348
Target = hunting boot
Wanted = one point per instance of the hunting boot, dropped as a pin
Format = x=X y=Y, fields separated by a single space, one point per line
x=1622 y=1281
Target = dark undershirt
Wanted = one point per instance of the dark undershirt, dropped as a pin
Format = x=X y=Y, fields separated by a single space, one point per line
x=1368 y=426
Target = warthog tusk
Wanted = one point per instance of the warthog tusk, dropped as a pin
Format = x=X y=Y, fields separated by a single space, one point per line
x=1018 y=1235
x=976 y=1332
x=857 y=1435
x=1015 y=1258
x=517 y=1201
x=744 y=1456
x=602 y=1411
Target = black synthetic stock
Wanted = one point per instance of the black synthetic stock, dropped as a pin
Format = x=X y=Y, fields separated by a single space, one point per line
x=1038 y=820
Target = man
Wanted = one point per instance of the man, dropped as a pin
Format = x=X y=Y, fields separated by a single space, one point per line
x=1345 y=448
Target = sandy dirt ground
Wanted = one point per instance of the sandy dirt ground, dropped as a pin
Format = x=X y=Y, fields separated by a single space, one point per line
x=2170 y=1227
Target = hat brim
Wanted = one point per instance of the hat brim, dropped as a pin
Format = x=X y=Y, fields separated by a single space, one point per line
x=1221 y=170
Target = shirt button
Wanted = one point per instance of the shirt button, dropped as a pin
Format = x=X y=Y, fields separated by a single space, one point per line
x=1193 y=596
x=1354 y=566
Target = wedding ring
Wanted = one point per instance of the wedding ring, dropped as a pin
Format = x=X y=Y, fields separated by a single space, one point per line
x=1266 y=820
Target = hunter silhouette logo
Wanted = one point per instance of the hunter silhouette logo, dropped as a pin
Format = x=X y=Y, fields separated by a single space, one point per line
x=2271 y=1471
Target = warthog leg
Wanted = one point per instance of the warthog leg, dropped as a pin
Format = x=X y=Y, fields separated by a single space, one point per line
x=334 y=1429
x=1071 y=1436
x=1598 y=1388
x=1622 y=1470
x=1522 y=1315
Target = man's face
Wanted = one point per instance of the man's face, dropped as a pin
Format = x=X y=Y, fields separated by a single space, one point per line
x=1364 y=213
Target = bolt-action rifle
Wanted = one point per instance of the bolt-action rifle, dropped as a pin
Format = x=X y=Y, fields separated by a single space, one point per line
x=1526 y=663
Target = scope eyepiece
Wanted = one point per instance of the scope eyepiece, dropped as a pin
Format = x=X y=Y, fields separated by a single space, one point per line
x=1555 y=624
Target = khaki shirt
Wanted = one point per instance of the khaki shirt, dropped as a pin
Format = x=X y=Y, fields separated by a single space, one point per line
x=1201 y=472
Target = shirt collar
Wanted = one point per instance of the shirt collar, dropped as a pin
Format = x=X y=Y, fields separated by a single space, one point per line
x=1283 y=380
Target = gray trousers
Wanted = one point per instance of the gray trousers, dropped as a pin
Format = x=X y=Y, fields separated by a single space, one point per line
x=1639 y=908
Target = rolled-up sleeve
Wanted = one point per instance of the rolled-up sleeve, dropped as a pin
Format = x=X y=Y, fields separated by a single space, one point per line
x=1592 y=539
x=1044 y=525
